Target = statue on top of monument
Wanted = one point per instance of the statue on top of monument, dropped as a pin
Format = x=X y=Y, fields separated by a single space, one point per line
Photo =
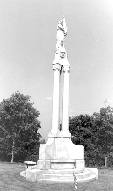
x=61 y=30
x=61 y=54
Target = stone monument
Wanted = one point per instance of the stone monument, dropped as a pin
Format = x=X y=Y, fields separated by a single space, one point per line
x=59 y=157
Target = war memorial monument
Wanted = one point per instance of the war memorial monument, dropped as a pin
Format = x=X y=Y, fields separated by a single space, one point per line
x=59 y=158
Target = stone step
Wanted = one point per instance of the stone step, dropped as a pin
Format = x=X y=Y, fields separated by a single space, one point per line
x=62 y=171
x=55 y=172
x=68 y=177
x=60 y=175
x=80 y=176
x=57 y=178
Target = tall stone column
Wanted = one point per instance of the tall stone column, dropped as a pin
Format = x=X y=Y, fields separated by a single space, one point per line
x=56 y=89
x=65 y=120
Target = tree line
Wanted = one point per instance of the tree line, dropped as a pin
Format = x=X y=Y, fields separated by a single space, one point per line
x=95 y=132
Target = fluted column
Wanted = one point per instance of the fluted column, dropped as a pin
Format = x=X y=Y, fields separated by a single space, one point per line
x=65 y=120
x=55 y=114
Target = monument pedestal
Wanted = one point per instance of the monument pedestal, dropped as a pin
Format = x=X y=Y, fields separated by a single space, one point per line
x=62 y=154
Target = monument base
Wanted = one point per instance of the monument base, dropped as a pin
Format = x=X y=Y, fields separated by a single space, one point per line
x=59 y=160
x=65 y=175
x=61 y=153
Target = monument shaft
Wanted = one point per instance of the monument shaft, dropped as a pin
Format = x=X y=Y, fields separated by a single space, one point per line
x=61 y=67
x=65 y=119
x=55 y=117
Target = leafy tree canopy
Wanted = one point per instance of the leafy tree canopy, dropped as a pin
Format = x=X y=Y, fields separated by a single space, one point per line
x=19 y=124
x=95 y=133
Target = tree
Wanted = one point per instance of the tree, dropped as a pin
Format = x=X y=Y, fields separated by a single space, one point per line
x=18 y=125
x=80 y=128
x=95 y=133
x=81 y=131
x=103 y=131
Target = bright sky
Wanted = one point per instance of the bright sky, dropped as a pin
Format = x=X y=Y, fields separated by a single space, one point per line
x=27 y=46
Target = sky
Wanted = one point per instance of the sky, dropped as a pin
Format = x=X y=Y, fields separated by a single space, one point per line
x=27 y=48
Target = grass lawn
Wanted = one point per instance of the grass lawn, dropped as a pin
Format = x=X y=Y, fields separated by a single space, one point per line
x=10 y=180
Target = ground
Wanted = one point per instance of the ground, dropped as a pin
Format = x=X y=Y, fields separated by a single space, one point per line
x=10 y=180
